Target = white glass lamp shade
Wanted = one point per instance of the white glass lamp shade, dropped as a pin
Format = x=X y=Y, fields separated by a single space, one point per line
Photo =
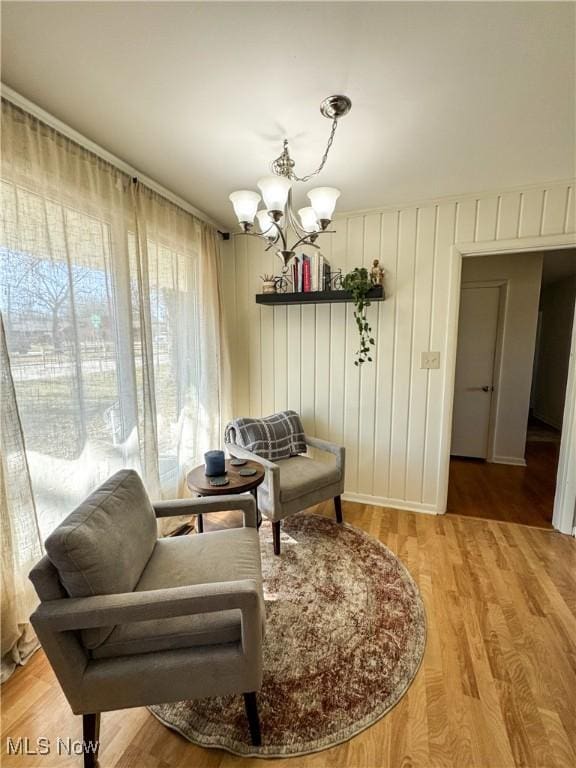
x=265 y=223
x=274 y=191
x=308 y=219
x=323 y=200
x=245 y=204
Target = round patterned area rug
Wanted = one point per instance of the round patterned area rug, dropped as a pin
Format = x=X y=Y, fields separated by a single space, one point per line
x=345 y=635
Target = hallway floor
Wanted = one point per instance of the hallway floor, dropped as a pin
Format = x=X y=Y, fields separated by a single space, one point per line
x=509 y=494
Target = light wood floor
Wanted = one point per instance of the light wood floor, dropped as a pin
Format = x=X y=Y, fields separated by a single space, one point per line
x=497 y=686
x=502 y=492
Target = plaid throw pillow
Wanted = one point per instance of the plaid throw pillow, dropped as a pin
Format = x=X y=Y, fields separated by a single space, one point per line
x=275 y=437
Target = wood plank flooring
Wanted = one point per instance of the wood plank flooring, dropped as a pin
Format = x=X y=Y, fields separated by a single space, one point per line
x=502 y=492
x=497 y=686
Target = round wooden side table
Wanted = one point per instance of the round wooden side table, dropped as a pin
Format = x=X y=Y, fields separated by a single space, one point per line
x=200 y=484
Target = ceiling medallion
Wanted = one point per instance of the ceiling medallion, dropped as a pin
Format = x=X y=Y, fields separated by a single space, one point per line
x=277 y=219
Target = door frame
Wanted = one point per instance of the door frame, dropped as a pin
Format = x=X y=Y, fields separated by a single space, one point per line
x=503 y=286
x=565 y=499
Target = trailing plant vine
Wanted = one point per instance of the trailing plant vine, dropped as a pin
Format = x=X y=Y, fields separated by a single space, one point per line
x=358 y=282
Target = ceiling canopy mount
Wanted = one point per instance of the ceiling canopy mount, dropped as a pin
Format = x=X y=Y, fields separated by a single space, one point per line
x=335 y=107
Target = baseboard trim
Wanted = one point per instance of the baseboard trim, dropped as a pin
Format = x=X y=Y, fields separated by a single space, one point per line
x=548 y=422
x=382 y=501
x=511 y=460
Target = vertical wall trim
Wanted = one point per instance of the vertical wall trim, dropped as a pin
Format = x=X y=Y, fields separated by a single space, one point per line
x=542 y=212
x=497 y=224
x=360 y=371
x=329 y=365
x=411 y=348
x=569 y=205
x=432 y=295
x=476 y=217
x=453 y=310
x=260 y=334
x=376 y=363
x=394 y=348
x=520 y=215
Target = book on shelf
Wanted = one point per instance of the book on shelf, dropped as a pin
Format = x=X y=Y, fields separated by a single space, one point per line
x=311 y=273
x=318 y=271
x=314 y=271
x=295 y=273
x=306 y=275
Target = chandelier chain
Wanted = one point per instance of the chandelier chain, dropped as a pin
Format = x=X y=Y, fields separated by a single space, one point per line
x=278 y=218
x=324 y=156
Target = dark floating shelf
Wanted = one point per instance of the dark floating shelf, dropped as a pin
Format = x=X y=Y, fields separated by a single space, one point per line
x=316 y=297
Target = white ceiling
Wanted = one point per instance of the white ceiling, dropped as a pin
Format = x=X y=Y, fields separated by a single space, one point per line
x=448 y=98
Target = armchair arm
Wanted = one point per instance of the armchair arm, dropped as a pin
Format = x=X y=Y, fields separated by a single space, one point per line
x=206 y=504
x=103 y=610
x=323 y=445
x=243 y=453
x=272 y=470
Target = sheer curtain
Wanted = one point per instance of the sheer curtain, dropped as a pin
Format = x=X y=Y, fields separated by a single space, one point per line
x=113 y=322
x=176 y=262
x=21 y=545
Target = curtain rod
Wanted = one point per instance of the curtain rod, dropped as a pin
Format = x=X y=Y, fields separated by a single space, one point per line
x=46 y=117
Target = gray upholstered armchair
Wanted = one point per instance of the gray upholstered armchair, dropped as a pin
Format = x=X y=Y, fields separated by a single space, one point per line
x=298 y=482
x=127 y=619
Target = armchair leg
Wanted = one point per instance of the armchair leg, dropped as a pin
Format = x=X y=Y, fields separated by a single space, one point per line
x=258 y=513
x=253 y=719
x=338 y=508
x=91 y=739
x=276 y=536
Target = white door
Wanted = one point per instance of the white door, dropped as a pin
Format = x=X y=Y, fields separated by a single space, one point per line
x=477 y=338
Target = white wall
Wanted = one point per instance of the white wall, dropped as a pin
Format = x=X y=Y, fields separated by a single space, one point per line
x=557 y=305
x=389 y=414
x=522 y=275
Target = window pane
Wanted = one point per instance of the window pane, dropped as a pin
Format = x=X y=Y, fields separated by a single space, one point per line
x=61 y=320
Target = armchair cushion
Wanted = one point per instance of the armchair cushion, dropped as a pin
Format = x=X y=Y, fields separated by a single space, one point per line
x=102 y=547
x=300 y=475
x=230 y=555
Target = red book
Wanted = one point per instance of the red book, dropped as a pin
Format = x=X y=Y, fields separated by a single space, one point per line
x=306 y=279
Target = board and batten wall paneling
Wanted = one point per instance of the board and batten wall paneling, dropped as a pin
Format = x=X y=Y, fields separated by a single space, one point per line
x=389 y=413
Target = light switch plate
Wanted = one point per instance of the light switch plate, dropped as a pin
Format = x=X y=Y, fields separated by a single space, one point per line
x=430 y=360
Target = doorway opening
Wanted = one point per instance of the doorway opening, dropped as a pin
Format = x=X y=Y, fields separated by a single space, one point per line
x=513 y=355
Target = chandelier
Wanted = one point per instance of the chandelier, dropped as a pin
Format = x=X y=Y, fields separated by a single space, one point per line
x=277 y=222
